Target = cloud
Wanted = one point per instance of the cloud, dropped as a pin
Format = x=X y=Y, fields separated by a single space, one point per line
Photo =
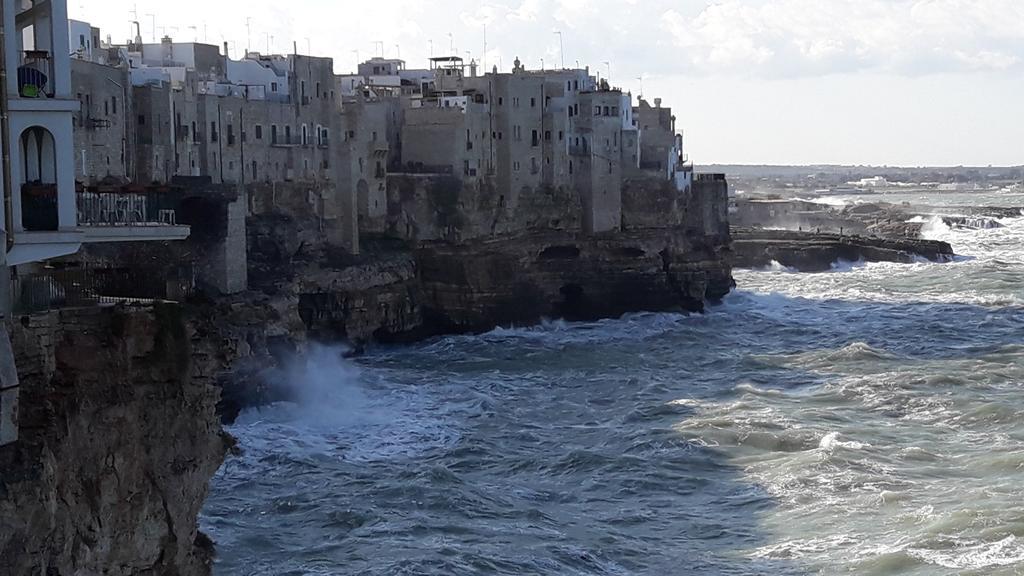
x=813 y=37
x=756 y=38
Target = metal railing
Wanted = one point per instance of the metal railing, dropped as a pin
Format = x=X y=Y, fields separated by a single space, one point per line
x=127 y=208
x=77 y=288
x=35 y=74
x=707 y=177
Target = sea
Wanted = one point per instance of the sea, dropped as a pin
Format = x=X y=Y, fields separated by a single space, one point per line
x=867 y=420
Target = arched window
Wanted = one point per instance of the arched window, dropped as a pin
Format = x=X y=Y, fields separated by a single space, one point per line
x=39 y=180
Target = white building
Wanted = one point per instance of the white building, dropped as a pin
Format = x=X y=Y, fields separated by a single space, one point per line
x=40 y=186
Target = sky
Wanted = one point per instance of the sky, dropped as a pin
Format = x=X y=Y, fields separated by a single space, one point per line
x=882 y=82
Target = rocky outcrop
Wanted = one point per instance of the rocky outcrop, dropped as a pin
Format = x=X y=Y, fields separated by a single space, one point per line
x=811 y=252
x=119 y=438
x=443 y=288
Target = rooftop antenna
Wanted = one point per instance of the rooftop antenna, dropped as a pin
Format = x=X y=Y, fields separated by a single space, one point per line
x=380 y=46
x=542 y=64
x=641 y=95
x=398 y=51
x=451 y=42
x=561 y=47
x=195 y=33
x=608 y=76
x=431 y=48
x=309 y=46
x=484 y=58
x=248 y=34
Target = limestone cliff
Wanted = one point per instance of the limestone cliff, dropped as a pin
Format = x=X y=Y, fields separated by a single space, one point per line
x=814 y=252
x=119 y=438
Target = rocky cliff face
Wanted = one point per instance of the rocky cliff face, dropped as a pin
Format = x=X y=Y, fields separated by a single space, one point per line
x=812 y=252
x=119 y=438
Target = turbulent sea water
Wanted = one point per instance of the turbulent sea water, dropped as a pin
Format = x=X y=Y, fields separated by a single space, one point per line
x=869 y=420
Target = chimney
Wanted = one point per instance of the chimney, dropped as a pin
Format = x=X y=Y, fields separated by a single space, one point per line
x=657 y=102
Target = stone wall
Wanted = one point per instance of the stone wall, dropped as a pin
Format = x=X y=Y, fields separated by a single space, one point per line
x=441 y=207
x=118 y=441
x=103 y=125
x=652 y=202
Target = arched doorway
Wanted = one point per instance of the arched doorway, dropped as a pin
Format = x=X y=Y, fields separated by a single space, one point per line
x=39 y=180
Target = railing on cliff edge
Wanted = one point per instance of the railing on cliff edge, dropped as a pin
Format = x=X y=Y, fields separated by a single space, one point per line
x=708 y=177
x=87 y=287
x=128 y=208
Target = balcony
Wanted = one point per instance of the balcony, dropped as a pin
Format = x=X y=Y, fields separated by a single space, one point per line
x=127 y=208
x=35 y=74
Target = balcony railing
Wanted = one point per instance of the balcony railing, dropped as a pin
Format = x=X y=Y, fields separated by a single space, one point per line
x=128 y=208
x=709 y=177
x=77 y=288
x=35 y=74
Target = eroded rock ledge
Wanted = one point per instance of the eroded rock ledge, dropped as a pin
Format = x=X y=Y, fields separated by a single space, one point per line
x=811 y=252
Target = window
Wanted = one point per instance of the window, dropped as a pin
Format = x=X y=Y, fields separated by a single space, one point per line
x=515 y=166
x=535 y=139
x=287 y=134
x=142 y=120
x=259 y=132
x=106 y=108
x=305 y=135
x=273 y=86
x=113 y=104
x=317 y=89
x=606 y=111
x=195 y=135
x=576 y=85
x=273 y=133
x=515 y=102
x=231 y=134
x=561 y=135
x=254 y=168
x=597 y=110
x=609 y=167
x=501 y=101
x=374 y=136
x=547 y=135
x=213 y=131
x=533 y=102
x=568 y=86
x=570 y=166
